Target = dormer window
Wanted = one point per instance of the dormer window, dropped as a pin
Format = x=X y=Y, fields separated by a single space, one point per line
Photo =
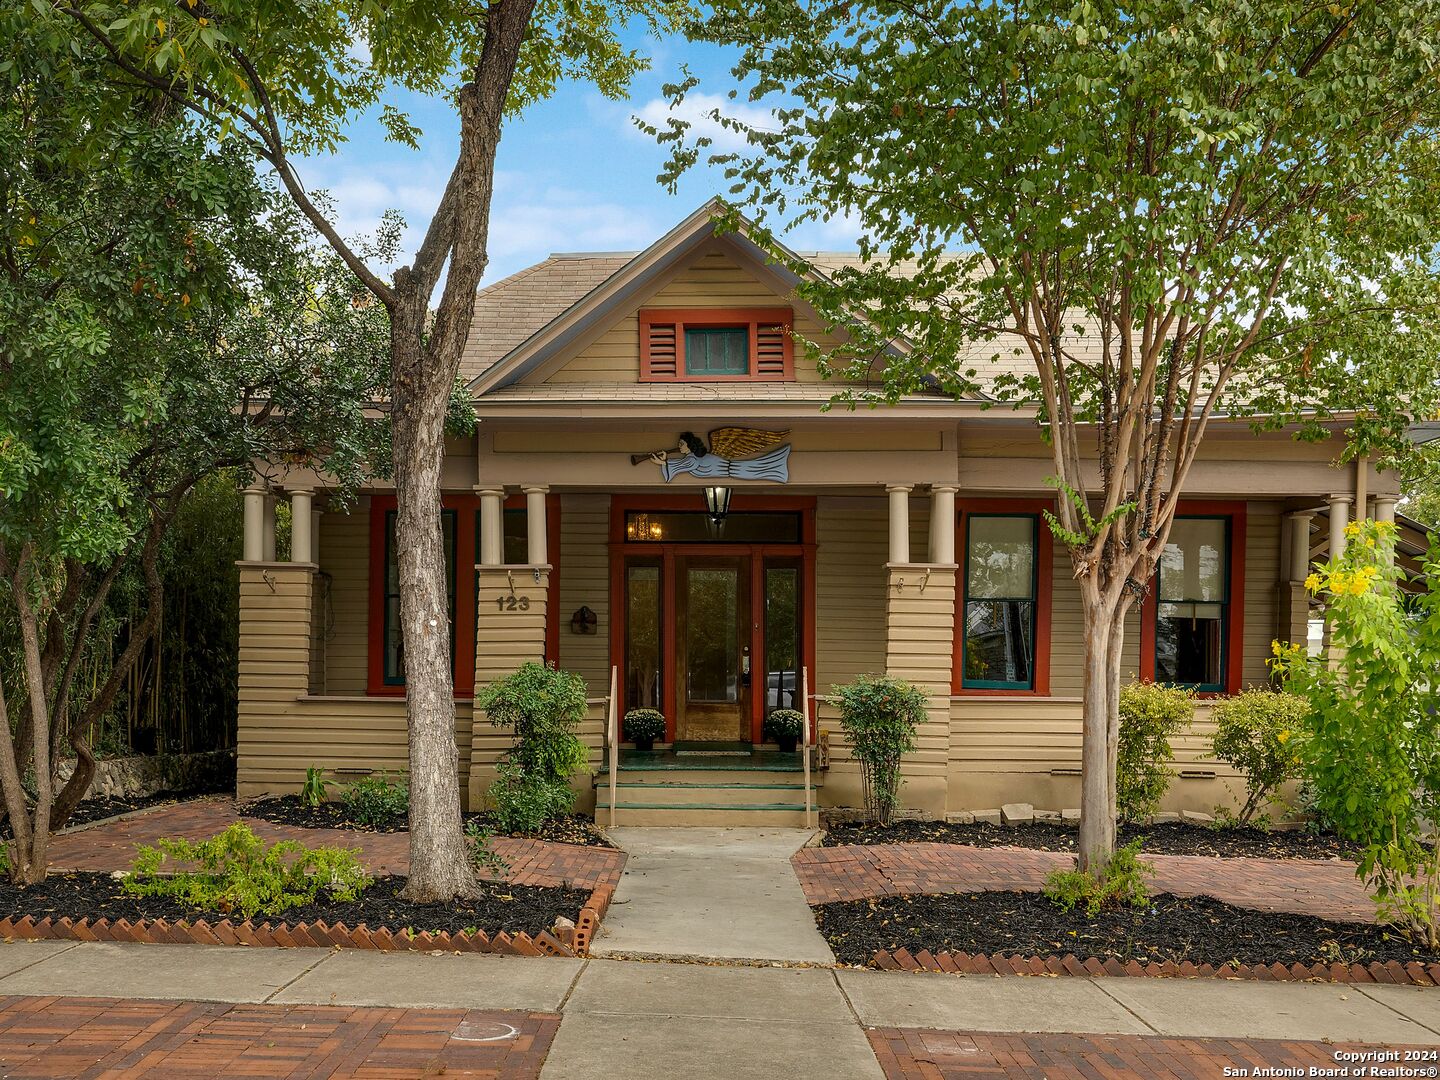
x=716 y=345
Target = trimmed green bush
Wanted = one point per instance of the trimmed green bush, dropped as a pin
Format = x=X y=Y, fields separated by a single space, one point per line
x=1259 y=733
x=376 y=799
x=1150 y=715
x=236 y=872
x=879 y=716
x=524 y=801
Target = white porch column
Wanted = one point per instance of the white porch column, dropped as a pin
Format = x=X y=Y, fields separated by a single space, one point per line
x=899 y=522
x=492 y=534
x=267 y=530
x=253 y=549
x=302 y=545
x=1299 y=566
x=1339 y=518
x=535 y=523
x=1385 y=508
x=942 y=524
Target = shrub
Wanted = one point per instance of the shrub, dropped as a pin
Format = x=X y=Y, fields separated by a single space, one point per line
x=879 y=716
x=785 y=724
x=1259 y=733
x=375 y=800
x=237 y=872
x=313 y=790
x=524 y=801
x=1371 y=750
x=1150 y=714
x=1122 y=881
x=642 y=724
x=483 y=857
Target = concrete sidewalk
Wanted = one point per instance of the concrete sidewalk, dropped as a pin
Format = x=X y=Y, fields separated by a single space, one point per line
x=702 y=893
x=641 y=1019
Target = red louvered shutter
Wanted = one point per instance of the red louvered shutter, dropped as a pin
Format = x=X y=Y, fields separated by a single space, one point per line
x=659 y=351
x=774 y=352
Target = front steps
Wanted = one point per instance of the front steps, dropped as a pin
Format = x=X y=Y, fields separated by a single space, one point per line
x=666 y=789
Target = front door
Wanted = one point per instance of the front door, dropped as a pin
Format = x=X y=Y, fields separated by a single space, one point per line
x=713 y=661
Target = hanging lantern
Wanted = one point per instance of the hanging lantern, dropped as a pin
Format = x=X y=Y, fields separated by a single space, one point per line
x=717 y=503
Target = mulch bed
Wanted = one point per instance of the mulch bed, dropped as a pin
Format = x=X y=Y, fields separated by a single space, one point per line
x=1165 y=838
x=511 y=908
x=289 y=810
x=1199 y=929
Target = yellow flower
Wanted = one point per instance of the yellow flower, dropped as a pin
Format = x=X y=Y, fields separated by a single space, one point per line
x=1369 y=541
x=1283 y=737
x=1277 y=648
x=1353 y=529
x=1312 y=582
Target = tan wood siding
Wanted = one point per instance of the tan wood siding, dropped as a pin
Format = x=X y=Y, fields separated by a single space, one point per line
x=585 y=582
x=342 y=603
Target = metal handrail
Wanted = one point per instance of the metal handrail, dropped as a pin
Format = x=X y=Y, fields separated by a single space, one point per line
x=805 y=738
x=612 y=740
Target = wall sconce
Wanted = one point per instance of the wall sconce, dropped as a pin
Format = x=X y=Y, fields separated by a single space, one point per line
x=717 y=503
x=584 y=621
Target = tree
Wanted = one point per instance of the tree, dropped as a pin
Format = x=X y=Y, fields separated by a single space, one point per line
x=1420 y=483
x=286 y=79
x=155 y=302
x=1167 y=211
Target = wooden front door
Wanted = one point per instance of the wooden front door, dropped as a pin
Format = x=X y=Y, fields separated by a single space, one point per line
x=713 y=648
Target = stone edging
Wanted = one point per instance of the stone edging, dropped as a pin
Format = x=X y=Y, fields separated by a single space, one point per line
x=567 y=941
x=959 y=963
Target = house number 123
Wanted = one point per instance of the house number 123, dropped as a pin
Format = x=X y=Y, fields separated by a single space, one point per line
x=512 y=603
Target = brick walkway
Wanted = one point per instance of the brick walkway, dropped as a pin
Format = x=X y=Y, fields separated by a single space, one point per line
x=1329 y=890
x=93 y=1038
x=913 y=1054
x=112 y=846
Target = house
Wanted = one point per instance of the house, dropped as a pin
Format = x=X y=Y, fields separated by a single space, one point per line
x=621 y=399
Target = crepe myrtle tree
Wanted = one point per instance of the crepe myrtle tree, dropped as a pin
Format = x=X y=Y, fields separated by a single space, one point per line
x=1156 y=212
x=287 y=78
x=163 y=315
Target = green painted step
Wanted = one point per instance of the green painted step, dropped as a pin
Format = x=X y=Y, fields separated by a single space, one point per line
x=605 y=805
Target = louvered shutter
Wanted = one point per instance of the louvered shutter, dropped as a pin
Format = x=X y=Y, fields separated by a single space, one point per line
x=773 y=351
x=659 y=351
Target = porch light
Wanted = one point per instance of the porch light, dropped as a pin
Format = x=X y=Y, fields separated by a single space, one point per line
x=717 y=503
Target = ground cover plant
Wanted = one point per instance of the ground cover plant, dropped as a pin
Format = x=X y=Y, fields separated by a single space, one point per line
x=1200 y=929
x=1121 y=883
x=375 y=799
x=879 y=715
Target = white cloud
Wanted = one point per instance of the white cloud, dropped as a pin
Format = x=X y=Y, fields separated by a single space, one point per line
x=529 y=222
x=697 y=109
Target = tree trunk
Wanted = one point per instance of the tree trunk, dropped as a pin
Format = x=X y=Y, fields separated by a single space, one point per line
x=1104 y=636
x=440 y=868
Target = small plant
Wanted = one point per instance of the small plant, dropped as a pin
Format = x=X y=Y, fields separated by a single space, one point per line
x=237 y=872
x=1121 y=882
x=313 y=790
x=785 y=726
x=1151 y=714
x=879 y=716
x=377 y=800
x=1259 y=732
x=642 y=727
x=525 y=801
x=487 y=861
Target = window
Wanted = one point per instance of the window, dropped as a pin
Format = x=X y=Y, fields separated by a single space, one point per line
x=700 y=344
x=695 y=527
x=394 y=646
x=643 y=632
x=1192 y=591
x=719 y=350
x=999 y=626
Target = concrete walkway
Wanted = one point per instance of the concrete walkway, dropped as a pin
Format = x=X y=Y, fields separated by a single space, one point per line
x=711 y=894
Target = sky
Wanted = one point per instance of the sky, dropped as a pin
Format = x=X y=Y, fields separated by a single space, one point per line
x=573 y=173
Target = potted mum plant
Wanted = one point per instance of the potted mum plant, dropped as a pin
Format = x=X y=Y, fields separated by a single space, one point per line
x=785 y=726
x=642 y=727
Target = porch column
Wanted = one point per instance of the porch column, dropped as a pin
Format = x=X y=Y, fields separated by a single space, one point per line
x=535 y=524
x=302 y=544
x=1293 y=610
x=1339 y=518
x=1299 y=567
x=253 y=549
x=899 y=522
x=942 y=524
x=492 y=534
x=1385 y=513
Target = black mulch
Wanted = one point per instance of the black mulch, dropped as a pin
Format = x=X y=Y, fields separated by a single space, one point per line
x=512 y=908
x=1200 y=929
x=289 y=810
x=1166 y=838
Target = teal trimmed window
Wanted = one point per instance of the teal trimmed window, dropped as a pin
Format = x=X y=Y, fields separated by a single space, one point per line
x=717 y=350
x=1001 y=582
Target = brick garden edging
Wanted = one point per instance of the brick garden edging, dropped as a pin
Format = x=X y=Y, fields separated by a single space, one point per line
x=959 y=963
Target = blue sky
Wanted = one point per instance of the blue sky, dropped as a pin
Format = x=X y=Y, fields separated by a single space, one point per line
x=574 y=173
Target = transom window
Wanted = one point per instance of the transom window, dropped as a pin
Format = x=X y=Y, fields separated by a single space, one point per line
x=999 y=624
x=1193 y=604
x=717 y=350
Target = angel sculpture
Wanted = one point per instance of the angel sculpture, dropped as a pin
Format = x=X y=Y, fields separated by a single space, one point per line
x=734 y=453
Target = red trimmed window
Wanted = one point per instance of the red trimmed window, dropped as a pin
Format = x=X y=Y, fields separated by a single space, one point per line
x=716 y=345
x=460 y=524
x=1192 y=622
x=1002 y=598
